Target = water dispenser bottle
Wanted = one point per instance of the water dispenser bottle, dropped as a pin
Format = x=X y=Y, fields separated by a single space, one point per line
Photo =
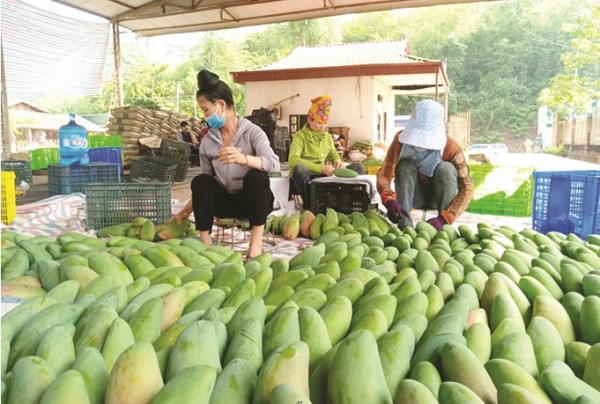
x=73 y=143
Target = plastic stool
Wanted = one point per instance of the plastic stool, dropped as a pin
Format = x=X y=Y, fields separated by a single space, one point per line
x=225 y=224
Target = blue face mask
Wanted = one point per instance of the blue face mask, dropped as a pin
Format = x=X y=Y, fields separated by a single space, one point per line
x=214 y=121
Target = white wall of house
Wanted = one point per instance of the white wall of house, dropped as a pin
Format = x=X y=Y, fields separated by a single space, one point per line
x=383 y=98
x=355 y=102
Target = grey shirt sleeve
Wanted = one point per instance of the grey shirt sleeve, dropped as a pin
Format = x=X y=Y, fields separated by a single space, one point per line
x=262 y=149
x=205 y=161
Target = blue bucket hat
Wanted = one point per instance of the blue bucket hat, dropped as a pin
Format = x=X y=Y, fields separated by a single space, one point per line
x=426 y=127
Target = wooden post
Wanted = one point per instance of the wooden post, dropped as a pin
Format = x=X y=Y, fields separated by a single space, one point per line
x=6 y=135
x=117 y=61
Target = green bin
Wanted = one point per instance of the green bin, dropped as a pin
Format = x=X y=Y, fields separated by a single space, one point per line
x=40 y=158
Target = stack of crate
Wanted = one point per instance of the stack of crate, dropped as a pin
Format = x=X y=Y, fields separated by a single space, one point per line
x=63 y=179
x=169 y=164
x=281 y=143
x=21 y=168
x=9 y=204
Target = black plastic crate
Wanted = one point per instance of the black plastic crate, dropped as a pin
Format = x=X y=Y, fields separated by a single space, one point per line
x=115 y=203
x=63 y=179
x=174 y=149
x=282 y=154
x=22 y=169
x=343 y=197
x=182 y=168
x=148 y=168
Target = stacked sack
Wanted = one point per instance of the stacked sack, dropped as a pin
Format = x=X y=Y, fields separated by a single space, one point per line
x=135 y=123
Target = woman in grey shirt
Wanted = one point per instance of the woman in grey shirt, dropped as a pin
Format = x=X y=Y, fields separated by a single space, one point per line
x=235 y=157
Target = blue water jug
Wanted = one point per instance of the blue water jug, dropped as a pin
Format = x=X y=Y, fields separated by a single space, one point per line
x=73 y=143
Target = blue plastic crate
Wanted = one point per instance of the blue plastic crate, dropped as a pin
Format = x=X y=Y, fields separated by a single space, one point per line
x=63 y=180
x=106 y=155
x=567 y=202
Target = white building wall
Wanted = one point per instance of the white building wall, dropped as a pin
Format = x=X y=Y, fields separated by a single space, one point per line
x=354 y=101
x=383 y=105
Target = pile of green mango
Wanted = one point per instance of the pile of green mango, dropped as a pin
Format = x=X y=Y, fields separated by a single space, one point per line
x=144 y=229
x=367 y=314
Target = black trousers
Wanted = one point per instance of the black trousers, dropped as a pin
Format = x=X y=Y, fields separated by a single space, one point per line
x=210 y=199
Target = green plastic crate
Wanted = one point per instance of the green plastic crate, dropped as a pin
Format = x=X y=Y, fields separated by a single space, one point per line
x=490 y=199
x=108 y=204
x=97 y=141
x=150 y=168
x=40 y=158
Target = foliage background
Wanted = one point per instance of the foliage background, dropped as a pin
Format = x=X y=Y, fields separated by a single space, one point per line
x=503 y=59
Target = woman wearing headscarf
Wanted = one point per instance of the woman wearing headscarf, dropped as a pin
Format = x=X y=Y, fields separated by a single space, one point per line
x=312 y=151
x=235 y=158
x=429 y=170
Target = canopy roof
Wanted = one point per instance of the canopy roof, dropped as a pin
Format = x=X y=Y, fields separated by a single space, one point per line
x=160 y=17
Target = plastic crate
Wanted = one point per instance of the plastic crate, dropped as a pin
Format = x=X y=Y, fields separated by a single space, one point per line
x=281 y=143
x=174 y=149
x=9 y=202
x=153 y=168
x=97 y=141
x=343 y=197
x=567 y=202
x=372 y=170
x=282 y=154
x=22 y=170
x=64 y=180
x=107 y=155
x=146 y=150
x=181 y=170
x=116 y=203
x=40 y=158
x=489 y=200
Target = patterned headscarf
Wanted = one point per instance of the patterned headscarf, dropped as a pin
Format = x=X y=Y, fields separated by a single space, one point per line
x=319 y=110
x=426 y=127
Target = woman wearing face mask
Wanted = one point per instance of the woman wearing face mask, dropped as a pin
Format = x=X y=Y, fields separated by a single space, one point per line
x=235 y=157
x=429 y=168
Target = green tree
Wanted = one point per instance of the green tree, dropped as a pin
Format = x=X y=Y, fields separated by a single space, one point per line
x=147 y=85
x=574 y=89
x=503 y=64
x=220 y=57
x=279 y=40
x=372 y=27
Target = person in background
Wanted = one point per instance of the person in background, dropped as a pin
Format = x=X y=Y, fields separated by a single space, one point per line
x=235 y=157
x=312 y=151
x=528 y=143
x=186 y=136
x=203 y=129
x=429 y=170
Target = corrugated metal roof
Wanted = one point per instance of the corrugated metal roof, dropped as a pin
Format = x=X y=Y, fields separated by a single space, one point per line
x=353 y=54
x=385 y=60
x=160 y=17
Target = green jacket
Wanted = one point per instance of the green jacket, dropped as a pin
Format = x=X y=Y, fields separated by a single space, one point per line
x=312 y=149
